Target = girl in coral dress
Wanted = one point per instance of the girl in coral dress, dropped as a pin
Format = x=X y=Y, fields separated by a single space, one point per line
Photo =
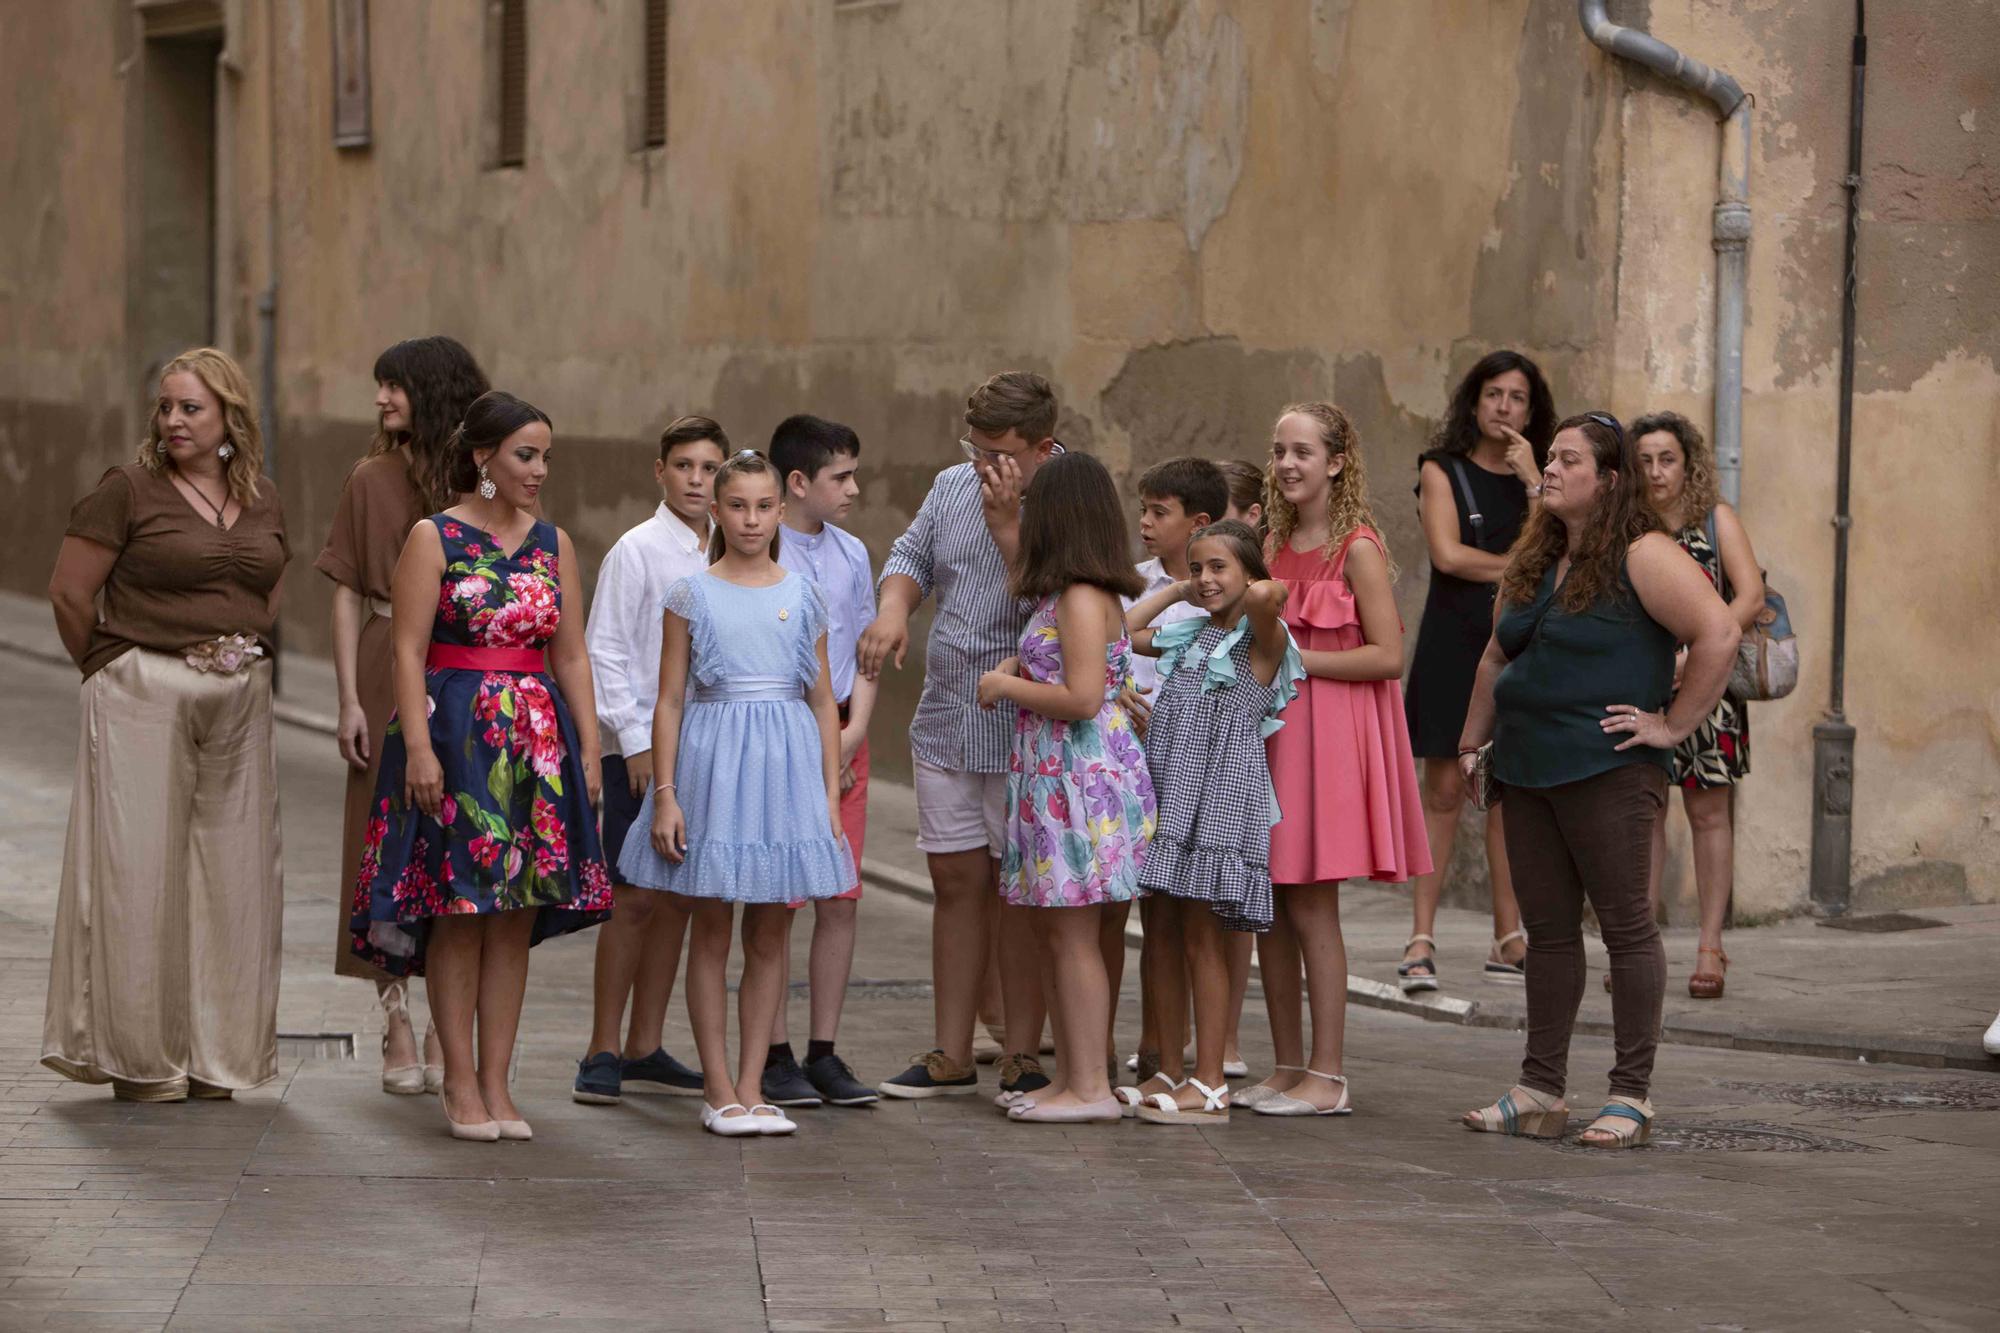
x=1345 y=781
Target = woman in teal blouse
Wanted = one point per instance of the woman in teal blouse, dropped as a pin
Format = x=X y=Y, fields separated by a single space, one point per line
x=1576 y=693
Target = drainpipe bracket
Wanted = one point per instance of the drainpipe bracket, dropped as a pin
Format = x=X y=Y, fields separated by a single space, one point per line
x=1731 y=225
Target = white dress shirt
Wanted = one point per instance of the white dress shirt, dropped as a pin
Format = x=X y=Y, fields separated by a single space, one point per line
x=836 y=560
x=624 y=630
x=1146 y=670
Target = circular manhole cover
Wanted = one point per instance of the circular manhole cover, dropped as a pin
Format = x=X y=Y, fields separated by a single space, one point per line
x=1911 y=1095
x=1724 y=1136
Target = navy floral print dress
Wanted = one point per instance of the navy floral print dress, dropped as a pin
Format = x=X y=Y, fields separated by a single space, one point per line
x=516 y=829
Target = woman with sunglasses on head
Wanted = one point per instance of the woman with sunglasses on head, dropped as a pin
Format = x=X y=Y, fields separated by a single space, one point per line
x=1574 y=694
x=422 y=388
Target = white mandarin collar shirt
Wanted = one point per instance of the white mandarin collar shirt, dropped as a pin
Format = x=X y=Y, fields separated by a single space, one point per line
x=624 y=630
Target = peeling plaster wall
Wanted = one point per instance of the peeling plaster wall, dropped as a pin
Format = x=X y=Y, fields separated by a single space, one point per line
x=1186 y=212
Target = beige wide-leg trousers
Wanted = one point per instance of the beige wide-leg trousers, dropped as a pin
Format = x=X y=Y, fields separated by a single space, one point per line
x=168 y=928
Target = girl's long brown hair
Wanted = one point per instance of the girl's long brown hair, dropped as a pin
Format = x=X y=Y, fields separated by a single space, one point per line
x=1073 y=531
x=1596 y=546
x=1347 y=505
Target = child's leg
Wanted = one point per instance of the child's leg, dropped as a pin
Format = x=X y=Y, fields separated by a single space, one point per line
x=503 y=980
x=1237 y=944
x=1168 y=987
x=1058 y=1070
x=1314 y=912
x=1021 y=979
x=832 y=962
x=653 y=983
x=708 y=998
x=1083 y=1003
x=619 y=943
x=767 y=929
x=1111 y=943
x=1278 y=954
x=1150 y=910
x=781 y=1028
x=962 y=922
x=1208 y=972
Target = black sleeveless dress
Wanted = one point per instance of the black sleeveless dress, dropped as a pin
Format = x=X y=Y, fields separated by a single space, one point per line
x=1458 y=614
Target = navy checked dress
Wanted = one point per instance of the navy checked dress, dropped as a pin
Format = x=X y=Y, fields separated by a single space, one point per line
x=1205 y=748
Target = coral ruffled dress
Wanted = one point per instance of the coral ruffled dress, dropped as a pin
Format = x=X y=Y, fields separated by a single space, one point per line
x=1346 y=784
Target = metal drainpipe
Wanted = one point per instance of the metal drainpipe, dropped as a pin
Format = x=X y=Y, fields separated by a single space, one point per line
x=1730 y=228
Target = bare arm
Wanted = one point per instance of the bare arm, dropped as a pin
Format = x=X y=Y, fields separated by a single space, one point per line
x=1381 y=656
x=351 y=732
x=888 y=635
x=1084 y=620
x=1739 y=563
x=82 y=566
x=669 y=824
x=1139 y=617
x=1265 y=604
x=860 y=711
x=1675 y=592
x=1478 y=728
x=827 y=714
x=1448 y=554
x=569 y=663
x=413 y=599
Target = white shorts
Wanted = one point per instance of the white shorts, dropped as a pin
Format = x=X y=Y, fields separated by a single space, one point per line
x=960 y=812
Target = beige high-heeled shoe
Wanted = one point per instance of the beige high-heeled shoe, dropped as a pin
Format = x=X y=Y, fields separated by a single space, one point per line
x=433 y=1073
x=403 y=1080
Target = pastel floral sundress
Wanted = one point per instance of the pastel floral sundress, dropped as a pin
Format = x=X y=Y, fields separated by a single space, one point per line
x=1080 y=805
x=516 y=829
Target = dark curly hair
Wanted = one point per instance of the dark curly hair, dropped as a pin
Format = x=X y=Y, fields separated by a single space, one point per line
x=1460 y=428
x=1596 y=547
x=441 y=379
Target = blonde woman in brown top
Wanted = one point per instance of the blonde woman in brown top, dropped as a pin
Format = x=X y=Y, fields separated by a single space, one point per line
x=422 y=388
x=164 y=981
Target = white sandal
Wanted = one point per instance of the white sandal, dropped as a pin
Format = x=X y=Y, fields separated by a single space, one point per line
x=1286 y=1104
x=1411 y=980
x=1130 y=1098
x=403 y=1080
x=1258 y=1093
x=1499 y=969
x=1162 y=1109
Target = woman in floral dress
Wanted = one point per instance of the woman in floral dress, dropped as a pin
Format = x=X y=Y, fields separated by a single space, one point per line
x=483 y=842
x=1080 y=805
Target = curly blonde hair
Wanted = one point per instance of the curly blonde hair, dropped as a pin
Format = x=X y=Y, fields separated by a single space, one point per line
x=1701 y=489
x=225 y=379
x=1346 y=496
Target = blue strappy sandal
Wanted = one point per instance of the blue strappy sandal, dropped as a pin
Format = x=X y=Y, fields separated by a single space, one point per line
x=1625 y=1122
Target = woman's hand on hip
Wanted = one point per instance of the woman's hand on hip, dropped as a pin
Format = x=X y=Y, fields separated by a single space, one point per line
x=423 y=782
x=1638 y=727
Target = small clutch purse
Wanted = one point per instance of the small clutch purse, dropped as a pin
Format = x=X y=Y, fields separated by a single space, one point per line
x=1483 y=790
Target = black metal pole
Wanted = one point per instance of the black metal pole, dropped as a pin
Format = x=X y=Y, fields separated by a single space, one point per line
x=1833 y=738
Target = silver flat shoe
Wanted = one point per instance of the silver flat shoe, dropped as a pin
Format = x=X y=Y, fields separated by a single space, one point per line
x=1286 y=1104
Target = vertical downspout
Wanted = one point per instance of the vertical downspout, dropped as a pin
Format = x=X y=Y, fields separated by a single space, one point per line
x=1730 y=225
x=1832 y=885
x=267 y=300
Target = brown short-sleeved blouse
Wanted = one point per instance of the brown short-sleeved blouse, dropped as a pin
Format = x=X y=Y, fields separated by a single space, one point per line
x=178 y=579
x=378 y=507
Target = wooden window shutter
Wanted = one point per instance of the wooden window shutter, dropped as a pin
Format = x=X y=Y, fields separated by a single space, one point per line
x=656 y=73
x=513 y=145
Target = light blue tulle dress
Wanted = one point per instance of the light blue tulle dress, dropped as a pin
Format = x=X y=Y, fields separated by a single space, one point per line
x=749 y=775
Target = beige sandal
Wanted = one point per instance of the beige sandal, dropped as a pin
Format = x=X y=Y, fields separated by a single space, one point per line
x=1625 y=1122
x=1261 y=1092
x=1522 y=1112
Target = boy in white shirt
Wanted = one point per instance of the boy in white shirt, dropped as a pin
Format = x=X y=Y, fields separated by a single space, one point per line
x=1176 y=498
x=818 y=460
x=639 y=949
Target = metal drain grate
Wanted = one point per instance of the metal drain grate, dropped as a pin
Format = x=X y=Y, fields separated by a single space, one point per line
x=315 y=1045
x=1724 y=1136
x=1879 y=923
x=1913 y=1095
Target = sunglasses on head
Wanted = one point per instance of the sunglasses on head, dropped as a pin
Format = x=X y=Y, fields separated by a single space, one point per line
x=1606 y=419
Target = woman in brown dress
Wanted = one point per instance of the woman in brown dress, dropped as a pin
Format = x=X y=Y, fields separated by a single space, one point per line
x=422 y=388
x=164 y=980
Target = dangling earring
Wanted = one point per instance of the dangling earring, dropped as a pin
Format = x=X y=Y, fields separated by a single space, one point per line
x=487 y=490
x=226 y=452
x=160 y=448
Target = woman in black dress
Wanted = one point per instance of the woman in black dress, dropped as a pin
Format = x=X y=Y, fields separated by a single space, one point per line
x=1474 y=489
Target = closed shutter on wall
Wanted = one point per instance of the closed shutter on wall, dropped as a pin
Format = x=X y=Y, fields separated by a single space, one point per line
x=656 y=73
x=513 y=138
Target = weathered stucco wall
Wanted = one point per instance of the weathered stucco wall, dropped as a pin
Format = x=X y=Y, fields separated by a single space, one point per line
x=1187 y=212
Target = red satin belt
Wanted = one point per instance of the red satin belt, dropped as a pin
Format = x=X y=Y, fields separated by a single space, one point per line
x=452 y=656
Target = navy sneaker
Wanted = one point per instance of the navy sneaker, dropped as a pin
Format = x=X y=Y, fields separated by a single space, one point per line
x=661 y=1073
x=933 y=1074
x=597 y=1080
x=785 y=1084
x=1019 y=1076
x=836 y=1082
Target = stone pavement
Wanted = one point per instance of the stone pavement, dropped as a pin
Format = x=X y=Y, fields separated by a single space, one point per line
x=1785 y=1192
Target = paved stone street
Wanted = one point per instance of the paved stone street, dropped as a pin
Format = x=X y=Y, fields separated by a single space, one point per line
x=1786 y=1192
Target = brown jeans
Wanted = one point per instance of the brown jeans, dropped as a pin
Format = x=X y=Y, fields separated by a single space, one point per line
x=1591 y=839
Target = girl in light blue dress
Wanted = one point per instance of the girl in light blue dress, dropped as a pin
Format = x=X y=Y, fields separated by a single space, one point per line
x=751 y=814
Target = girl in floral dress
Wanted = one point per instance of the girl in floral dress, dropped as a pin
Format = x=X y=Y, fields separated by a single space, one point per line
x=483 y=841
x=1080 y=803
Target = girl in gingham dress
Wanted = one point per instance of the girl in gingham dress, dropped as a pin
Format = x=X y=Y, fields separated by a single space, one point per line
x=1223 y=682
